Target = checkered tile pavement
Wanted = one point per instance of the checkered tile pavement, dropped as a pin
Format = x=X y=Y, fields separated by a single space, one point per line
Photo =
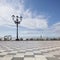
x=29 y=50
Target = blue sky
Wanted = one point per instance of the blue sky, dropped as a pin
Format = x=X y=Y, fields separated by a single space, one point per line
x=40 y=17
x=47 y=8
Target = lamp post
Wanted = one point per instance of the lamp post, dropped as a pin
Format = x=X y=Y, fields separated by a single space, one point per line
x=17 y=21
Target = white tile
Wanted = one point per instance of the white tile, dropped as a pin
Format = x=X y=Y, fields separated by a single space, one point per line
x=29 y=53
x=40 y=57
x=2 y=50
x=0 y=58
x=7 y=57
x=22 y=50
x=38 y=51
x=29 y=58
x=19 y=55
x=48 y=55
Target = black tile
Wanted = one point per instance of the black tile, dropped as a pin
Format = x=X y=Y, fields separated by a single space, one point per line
x=17 y=58
x=52 y=58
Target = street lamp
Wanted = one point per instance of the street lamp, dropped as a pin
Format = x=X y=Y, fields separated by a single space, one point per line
x=17 y=21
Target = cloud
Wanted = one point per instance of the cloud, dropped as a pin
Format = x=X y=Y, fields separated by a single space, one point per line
x=35 y=23
x=56 y=27
x=52 y=31
x=30 y=20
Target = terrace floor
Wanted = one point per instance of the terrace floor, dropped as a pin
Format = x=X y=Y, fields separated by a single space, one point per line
x=29 y=50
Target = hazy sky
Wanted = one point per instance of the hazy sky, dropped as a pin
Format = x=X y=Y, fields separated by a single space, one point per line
x=40 y=17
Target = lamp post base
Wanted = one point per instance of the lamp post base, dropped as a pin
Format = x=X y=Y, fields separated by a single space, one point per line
x=17 y=39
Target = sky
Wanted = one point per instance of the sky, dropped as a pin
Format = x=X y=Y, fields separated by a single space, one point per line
x=40 y=17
